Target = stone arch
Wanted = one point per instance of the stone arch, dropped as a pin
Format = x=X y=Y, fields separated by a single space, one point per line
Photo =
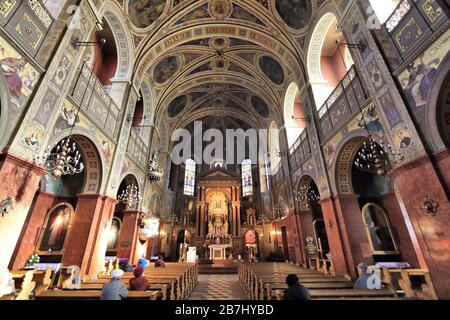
x=4 y=111
x=93 y=160
x=436 y=99
x=293 y=111
x=306 y=181
x=148 y=96
x=274 y=145
x=125 y=48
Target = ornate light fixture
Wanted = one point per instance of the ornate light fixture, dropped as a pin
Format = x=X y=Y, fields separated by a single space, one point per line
x=131 y=196
x=173 y=219
x=306 y=194
x=278 y=212
x=155 y=171
x=65 y=160
x=263 y=218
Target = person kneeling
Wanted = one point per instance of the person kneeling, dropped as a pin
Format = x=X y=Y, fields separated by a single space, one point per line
x=295 y=291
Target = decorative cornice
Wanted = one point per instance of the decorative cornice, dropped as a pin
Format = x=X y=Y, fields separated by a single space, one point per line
x=20 y=162
x=409 y=166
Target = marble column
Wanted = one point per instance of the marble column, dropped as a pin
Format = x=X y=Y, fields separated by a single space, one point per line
x=20 y=181
x=129 y=236
x=88 y=238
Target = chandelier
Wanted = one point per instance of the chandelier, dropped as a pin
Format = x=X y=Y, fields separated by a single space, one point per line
x=173 y=219
x=130 y=196
x=65 y=160
x=307 y=194
x=278 y=212
x=155 y=171
x=263 y=218
x=373 y=157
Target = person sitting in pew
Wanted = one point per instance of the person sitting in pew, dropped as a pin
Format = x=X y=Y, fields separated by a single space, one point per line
x=115 y=290
x=125 y=266
x=139 y=282
x=160 y=263
x=143 y=262
x=295 y=291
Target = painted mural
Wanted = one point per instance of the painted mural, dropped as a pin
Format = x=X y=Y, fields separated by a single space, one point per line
x=296 y=13
x=155 y=205
x=144 y=12
x=176 y=106
x=166 y=69
x=272 y=69
x=260 y=106
x=198 y=13
x=20 y=76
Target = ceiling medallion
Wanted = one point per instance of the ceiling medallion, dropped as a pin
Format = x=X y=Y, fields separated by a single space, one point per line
x=220 y=9
x=220 y=64
x=219 y=43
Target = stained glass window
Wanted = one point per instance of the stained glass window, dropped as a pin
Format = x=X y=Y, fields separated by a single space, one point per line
x=189 y=178
x=247 y=178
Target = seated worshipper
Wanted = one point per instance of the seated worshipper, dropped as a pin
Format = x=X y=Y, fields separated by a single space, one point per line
x=143 y=262
x=295 y=291
x=7 y=286
x=115 y=290
x=365 y=279
x=125 y=266
x=139 y=282
x=160 y=263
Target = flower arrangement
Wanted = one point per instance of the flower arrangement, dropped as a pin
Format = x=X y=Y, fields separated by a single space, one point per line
x=34 y=258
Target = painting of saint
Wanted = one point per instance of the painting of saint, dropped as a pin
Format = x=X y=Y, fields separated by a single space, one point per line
x=45 y=110
x=176 y=106
x=390 y=109
x=114 y=233
x=155 y=205
x=55 y=231
x=20 y=76
x=144 y=12
x=107 y=151
x=296 y=13
x=419 y=82
x=67 y=119
x=378 y=229
x=272 y=69
x=250 y=237
x=166 y=69
x=371 y=121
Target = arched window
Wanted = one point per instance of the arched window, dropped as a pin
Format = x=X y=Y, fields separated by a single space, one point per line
x=384 y=8
x=247 y=178
x=294 y=114
x=189 y=178
x=274 y=147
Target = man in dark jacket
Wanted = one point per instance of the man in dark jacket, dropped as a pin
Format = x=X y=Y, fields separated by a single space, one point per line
x=295 y=291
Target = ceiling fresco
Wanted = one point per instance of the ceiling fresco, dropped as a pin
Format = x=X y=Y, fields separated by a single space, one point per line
x=202 y=55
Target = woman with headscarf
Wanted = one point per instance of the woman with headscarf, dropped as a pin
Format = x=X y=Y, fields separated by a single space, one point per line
x=139 y=282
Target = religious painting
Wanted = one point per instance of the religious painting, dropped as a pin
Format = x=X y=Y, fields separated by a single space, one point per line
x=371 y=121
x=390 y=109
x=46 y=108
x=155 y=205
x=198 y=13
x=67 y=118
x=243 y=14
x=220 y=9
x=378 y=229
x=31 y=139
x=296 y=13
x=402 y=138
x=114 y=233
x=144 y=12
x=250 y=237
x=165 y=69
x=260 y=106
x=56 y=229
x=189 y=178
x=107 y=150
x=176 y=106
x=272 y=69
x=20 y=76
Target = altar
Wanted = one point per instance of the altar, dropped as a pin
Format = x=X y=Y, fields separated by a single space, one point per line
x=218 y=251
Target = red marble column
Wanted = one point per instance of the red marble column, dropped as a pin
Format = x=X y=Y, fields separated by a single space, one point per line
x=337 y=240
x=300 y=249
x=353 y=232
x=88 y=238
x=29 y=239
x=306 y=223
x=415 y=181
x=19 y=180
x=442 y=159
x=129 y=236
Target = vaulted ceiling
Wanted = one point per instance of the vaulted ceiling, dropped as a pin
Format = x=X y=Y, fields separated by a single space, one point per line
x=219 y=57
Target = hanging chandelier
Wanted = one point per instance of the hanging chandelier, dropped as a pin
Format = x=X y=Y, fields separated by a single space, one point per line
x=373 y=157
x=155 y=171
x=173 y=219
x=263 y=218
x=278 y=212
x=65 y=160
x=130 y=196
x=307 y=194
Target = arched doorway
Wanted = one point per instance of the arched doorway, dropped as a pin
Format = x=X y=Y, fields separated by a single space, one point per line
x=371 y=212
x=327 y=62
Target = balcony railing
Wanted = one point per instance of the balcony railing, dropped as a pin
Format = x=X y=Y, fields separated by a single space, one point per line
x=90 y=94
x=137 y=150
x=343 y=102
x=407 y=31
x=300 y=150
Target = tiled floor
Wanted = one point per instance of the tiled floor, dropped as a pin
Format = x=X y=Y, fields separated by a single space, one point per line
x=218 y=287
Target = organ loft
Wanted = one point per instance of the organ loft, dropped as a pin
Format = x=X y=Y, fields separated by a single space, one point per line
x=222 y=145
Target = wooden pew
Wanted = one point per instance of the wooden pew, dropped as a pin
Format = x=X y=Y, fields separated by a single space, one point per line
x=90 y=295
x=414 y=283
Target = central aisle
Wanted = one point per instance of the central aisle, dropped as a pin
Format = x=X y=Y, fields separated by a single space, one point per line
x=218 y=287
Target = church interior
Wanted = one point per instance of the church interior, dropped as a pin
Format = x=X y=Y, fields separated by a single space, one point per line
x=240 y=141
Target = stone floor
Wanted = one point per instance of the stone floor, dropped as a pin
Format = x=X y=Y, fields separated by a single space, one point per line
x=218 y=287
